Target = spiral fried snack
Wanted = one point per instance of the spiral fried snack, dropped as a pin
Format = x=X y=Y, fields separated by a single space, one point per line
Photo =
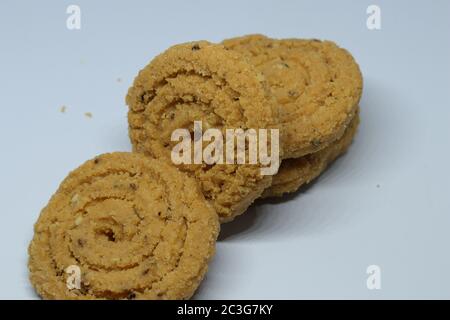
x=317 y=86
x=122 y=226
x=203 y=82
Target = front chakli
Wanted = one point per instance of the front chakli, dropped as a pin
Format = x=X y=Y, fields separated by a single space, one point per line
x=203 y=82
x=135 y=228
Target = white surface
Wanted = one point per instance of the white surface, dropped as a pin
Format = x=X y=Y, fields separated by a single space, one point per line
x=315 y=244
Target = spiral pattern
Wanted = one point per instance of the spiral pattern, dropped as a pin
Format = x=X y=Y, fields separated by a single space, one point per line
x=202 y=82
x=136 y=228
x=317 y=86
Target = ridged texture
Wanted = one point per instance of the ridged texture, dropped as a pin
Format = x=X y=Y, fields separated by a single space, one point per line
x=137 y=229
x=200 y=81
x=317 y=86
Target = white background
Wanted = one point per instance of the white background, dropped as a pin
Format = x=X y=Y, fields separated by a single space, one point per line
x=386 y=202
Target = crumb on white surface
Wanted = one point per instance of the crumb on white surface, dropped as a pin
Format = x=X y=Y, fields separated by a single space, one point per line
x=88 y=115
x=63 y=109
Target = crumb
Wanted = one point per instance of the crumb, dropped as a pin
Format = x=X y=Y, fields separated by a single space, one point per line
x=119 y=79
x=63 y=109
x=378 y=185
x=88 y=115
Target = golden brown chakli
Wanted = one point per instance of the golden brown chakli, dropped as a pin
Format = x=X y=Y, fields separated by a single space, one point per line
x=136 y=228
x=200 y=81
x=316 y=84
